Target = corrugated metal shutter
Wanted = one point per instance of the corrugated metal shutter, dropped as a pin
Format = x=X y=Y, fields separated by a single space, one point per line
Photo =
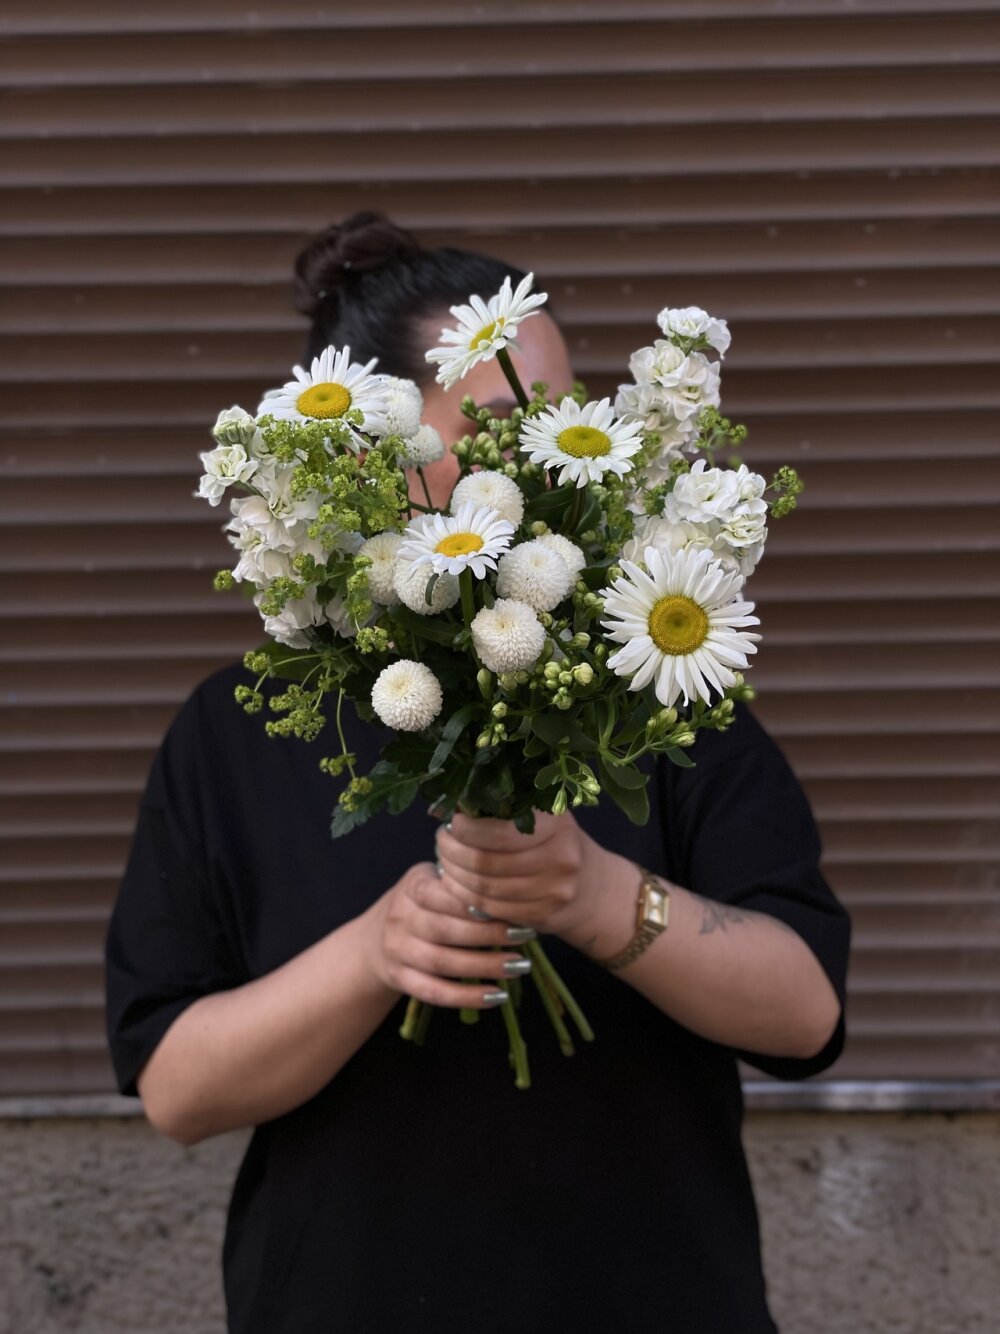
x=822 y=174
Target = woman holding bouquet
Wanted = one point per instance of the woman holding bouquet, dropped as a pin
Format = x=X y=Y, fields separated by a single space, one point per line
x=257 y=970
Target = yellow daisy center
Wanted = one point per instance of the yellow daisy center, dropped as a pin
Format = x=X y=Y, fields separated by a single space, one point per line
x=459 y=544
x=485 y=334
x=584 y=442
x=324 y=400
x=677 y=625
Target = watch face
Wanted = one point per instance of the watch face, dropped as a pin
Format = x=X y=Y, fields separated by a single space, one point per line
x=656 y=906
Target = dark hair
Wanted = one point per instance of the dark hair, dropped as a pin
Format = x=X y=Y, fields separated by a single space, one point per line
x=366 y=284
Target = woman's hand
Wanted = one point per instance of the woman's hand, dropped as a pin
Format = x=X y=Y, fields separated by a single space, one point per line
x=425 y=941
x=556 y=879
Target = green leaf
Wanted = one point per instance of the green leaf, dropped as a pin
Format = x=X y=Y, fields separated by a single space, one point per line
x=679 y=757
x=554 y=729
x=626 y=775
x=429 y=590
x=453 y=729
x=634 y=801
x=424 y=627
x=548 y=776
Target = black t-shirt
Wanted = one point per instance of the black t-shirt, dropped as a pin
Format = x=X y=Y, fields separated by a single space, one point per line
x=420 y=1191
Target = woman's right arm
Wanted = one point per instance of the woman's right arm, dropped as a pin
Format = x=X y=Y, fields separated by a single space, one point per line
x=238 y=1058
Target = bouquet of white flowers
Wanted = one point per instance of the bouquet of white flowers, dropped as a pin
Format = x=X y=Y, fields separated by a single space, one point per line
x=577 y=607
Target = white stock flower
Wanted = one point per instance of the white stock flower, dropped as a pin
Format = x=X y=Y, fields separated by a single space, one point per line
x=492 y=490
x=583 y=443
x=407 y=696
x=234 y=426
x=707 y=493
x=382 y=550
x=483 y=328
x=295 y=619
x=664 y=535
x=224 y=466
x=404 y=404
x=450 y=543
x=423 y=447
x=410 y=582
x=508 y=636
x=331 y=387
x=677 y=384
x=535 y=574
x=645 y=404
x=276 y=517
x=569 y=552
x=681 y=625
x=693 y=322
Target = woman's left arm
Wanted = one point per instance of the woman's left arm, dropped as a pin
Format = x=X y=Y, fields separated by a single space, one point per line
x=738 y=977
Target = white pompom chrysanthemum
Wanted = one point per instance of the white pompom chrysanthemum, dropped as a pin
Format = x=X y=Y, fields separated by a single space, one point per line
x=382 y=550
x=491 y=490
x=567 y=550
x=507 y=636
x=423 y=447
x=535 y=574
x=410 y=582
x=407 y=696
x=404 y=404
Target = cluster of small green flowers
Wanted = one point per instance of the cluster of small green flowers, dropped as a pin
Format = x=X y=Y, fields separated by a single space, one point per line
x=334 y=765
x=789 y=486
x=716 y=432
x=372 y=639
x=354 y=792
x=301 y=709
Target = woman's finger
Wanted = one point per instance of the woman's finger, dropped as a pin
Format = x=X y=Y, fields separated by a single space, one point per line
x=449 y=995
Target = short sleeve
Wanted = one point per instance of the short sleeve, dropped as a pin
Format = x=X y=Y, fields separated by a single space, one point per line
x=167 y=943
x=744 y=834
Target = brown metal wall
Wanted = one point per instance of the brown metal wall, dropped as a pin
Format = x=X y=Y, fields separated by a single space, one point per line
x=823 y=175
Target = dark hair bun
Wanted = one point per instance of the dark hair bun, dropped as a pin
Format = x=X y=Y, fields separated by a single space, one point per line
x=364 y=241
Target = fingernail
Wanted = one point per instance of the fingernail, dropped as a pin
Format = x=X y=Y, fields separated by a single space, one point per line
x=439 y=868
x=477 y=914
x=517 y=967
x=517 y=935
x=494 y=997
x=448 y=826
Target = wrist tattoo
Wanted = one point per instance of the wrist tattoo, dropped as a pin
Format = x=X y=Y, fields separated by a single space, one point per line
x=719 y=916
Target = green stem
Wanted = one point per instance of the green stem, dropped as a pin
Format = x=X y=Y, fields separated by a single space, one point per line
x=539 y=958
x=423 y=1023
x=518 y=1049
x=562 y=1032
x=575 y=512
x=408 y=1028
x=468 y=595
x=507 y=366
x=423 y=483
x=340 y=732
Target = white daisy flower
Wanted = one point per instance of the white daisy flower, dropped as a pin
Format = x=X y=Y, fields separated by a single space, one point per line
x=491 y=490
x=450 y=543
x=507 y=636
x=567 y=550
x=423 y=447
x=681 y=624
x=535 y=574
x=407 y=696
x=382 y=550
x=404 y=406
x=584 y=443
x=332 y=386
x=483 y=328
x=410 y=582
x=693 y=322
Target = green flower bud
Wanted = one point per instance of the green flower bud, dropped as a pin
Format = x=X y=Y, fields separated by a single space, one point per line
x=499 y=710
x=559 y=802
x=484 y=739
x=223 y=581
x=539 y=528
x=583 y=674
x=508 y=681
x=484 y=679
x=551 y=671
x=683 y=739
x=565 y=678
x=522 y=678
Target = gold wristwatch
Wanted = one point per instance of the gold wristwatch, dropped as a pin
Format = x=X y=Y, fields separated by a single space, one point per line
x=651 y=916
